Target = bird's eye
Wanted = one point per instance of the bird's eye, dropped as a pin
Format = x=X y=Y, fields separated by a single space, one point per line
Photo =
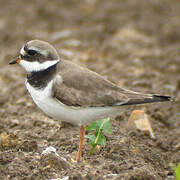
x=32 y=52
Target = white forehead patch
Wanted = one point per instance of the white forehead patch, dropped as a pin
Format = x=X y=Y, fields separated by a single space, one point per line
x=37 y=66
x=22 y=52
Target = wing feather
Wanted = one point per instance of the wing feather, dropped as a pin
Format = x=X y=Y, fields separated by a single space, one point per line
x=78 y=86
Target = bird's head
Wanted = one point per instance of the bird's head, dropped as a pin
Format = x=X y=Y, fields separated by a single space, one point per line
x=36 y=55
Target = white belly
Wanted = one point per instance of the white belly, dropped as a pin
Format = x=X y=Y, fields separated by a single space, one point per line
x=75 y=115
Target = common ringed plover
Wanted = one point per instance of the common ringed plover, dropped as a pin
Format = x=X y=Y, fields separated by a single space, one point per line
x=68 y=92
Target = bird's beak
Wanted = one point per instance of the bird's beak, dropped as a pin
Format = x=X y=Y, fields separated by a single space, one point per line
x=16 y=60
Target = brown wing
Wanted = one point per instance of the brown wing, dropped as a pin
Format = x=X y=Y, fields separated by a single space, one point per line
x=78 y=86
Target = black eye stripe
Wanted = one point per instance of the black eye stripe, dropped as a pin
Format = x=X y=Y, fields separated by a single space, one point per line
x=31 y=52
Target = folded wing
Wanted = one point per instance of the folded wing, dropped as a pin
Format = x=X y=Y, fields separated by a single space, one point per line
x=78 y=86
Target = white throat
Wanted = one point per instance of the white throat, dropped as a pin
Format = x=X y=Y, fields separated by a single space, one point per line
x=37 y=66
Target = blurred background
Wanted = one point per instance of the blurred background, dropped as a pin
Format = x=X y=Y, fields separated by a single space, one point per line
x=131 y=39
x=134 y=43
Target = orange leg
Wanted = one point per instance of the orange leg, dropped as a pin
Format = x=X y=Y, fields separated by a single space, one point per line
x=82 y=134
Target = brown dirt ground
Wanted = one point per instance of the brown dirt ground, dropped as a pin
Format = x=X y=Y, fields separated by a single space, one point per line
x=133 y=43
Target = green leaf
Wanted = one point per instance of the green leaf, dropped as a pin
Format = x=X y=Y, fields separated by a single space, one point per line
x=106 y=126
x=92 y=138
x=92 y=126
x=101 y=140
x=178 y=172
x=98 y=138
x=100 y=122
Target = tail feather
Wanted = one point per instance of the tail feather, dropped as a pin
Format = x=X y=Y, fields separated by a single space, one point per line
x=151 y=99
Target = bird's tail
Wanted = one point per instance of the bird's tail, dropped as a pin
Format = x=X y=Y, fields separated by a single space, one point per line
x=147 y=99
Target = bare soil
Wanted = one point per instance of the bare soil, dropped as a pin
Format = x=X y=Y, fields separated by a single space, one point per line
x=134 y=43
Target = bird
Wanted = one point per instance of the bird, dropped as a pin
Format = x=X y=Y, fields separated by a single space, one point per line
x=71 y=93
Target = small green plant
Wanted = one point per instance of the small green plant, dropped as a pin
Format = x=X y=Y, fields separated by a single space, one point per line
x=98 y=138
x=176 y=170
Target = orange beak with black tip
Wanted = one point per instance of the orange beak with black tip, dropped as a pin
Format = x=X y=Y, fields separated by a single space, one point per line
x=16 y=60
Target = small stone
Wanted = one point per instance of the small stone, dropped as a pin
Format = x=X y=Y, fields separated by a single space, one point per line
x=50 y=159
x=110 y=176
x=177 y=147
x=64 y=178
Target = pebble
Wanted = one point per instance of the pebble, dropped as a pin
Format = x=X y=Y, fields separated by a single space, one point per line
x=51 y=159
